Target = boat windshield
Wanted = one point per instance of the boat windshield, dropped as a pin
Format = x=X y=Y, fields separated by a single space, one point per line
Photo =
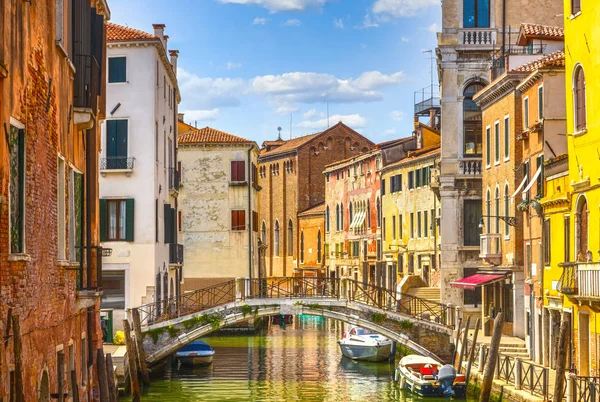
x=361 y=331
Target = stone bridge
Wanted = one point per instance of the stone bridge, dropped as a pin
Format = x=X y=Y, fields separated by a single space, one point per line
x=420 y=325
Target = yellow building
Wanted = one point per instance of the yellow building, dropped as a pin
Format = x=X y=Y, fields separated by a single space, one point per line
x=410 y=211
x=583 y=127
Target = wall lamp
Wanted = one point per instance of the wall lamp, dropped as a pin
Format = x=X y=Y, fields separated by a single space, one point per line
x=510 y=220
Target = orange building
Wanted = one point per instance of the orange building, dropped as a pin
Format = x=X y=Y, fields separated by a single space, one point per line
x=312 y=237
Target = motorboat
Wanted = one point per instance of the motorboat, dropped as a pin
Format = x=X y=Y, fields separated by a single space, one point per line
x=425 y=376
x=195 y=353
x=363 y=344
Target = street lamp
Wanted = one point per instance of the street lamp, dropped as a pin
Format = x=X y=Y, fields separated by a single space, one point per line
x=510 y=220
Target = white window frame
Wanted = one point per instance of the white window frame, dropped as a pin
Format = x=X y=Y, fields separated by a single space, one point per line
x=488 y=147
x=526 y=113
x=506 y=137
x=540 y=88
x=497 y=150
x=126 y=68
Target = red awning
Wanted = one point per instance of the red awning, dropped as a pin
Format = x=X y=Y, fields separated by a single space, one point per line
x=474 y=281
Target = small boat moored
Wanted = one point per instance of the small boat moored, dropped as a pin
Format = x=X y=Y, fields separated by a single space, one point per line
x=427 y=377
x=363 y=344
x=195 y=353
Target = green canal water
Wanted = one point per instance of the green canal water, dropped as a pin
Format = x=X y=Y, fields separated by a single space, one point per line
x=301 y=362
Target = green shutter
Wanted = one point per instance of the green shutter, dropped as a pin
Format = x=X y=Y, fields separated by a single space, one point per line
x=103 y=234
x=168 y=223
x=129 y=219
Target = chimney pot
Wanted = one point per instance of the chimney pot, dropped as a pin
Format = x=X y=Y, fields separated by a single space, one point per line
x=180 y=117
x=174 y=55
x=159 y=30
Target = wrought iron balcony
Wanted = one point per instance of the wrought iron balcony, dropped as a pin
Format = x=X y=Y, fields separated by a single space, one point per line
x=175 y=254
x=116 y=163
x=491 y=248
x=173 y=179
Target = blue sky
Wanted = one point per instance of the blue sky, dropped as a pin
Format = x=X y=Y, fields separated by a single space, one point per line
x=246 y=65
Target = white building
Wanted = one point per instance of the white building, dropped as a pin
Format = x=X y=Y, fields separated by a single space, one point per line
x=139 y=178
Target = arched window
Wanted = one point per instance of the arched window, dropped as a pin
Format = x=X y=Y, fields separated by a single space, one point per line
x=488 y=210
x=276 y=240
x=319 y=251
x=290 y=239
x=368 y=215
x=378 y=207
x=497 y=209
x=301 y=247
x=582 y=229
x=472 y=121
x=263 y=232
x=327 y=221
x=476 y=13
x=342 y=217
x=350 y=210
x=506 y=210
x=337 y=218
x=579 y=99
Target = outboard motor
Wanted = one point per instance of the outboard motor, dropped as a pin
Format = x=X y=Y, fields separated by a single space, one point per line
x=446 y=377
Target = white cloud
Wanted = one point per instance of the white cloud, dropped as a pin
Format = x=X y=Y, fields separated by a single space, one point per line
x=433 y=27
x=397 y=115
x=232 y=66
x=338 y=23
x=286 y=108
x=389 y=132
x=292 y=23
x=405 y=39
x=259 y=21
x=310 y=114
x=352 y=120
x=199 y=93
x=280 y=5
x=403 y=8
x=368 y=22
x=201 y=115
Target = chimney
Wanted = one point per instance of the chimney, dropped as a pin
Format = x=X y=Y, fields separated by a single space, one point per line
x=180 y=117
x=174 y=54
x=165 y=39
x=159 y=30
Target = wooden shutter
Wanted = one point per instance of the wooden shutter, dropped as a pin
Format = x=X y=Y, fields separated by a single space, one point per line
x=103 y=233
x=237 y=171
x=129 y=219
x=580 y=99
x=168 y=224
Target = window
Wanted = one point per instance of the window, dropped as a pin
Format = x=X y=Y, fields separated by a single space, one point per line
x=526 y=113
x=165 y=86
x=369 y=215
x=327 y=219
x=419 y=232
x=113 y=289
x=471 y=216
x=116 y=220
x=488 y=211
x=17 y=189
x=476 y=13
x=84 y=366
x=255 y=221
x=342 y=217
x=62 y=207
x=117 y=69
x=301 y=247
x=497 y=142
x=425 y=227
x=365 y=250
x=238 y=219
x=116 y=144
x=383 y=187
x=238 y=171
x=378 y=207
x=276 y=240
x=263 y=233
x=411 y=180
x=432 y=227
x=567 y=238
x=418 y=178
x=383 y=229
x=579 y=101
x=396 y=183
x=497 y=202
x=254 y=174
x=575 y=6
x=355 y=249
x=156 y=141
x=412 y=225
x=350 y=211
x=319 y=251
x=337 y=218
x=400 y=227
x=75 y=189
x=472 y=297
x=169 y=226
x=546 y=241
x=506 y=137
x=290 y=239
x=488 y=147
x=582 y=229
x=540 y=103
x=540 y=180
x=526 y=175
x=393 y=228
x=506 y=210
x=472 y=121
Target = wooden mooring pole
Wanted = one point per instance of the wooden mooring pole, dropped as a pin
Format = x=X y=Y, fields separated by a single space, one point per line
x=490 y=364
x=561 y=359
x=472 y=352
x=463 y=345
x=132 y=360
x=101 y=370
x=110 y=375
x=139 y=343
x=456 y=340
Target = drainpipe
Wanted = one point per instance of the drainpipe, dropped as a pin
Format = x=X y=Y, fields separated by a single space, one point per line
x=250 y=183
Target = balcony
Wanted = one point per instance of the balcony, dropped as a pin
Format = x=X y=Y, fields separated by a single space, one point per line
x=469 y=167
x=485 y=37
x=175 y=254
x=491 y=248
x=116 y=164
x=568 y=279
x=173 y=181
x=581 y=281
x=426 y=100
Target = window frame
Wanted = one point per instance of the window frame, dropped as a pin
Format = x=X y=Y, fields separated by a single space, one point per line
x=118 y=237
x=235 y=217
x=540 y=95
x=579 y=127
x=235 y=172
x=506 y=137
x=108 y=75
x=526 y=113
x=18 y=129
x=114 y=273
x=575 y=7
x=488 y=147
x=497 y=142
x=506 y=211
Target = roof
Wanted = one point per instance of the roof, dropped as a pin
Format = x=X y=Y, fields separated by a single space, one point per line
x=555 y=59
x=539 y=31
x=120 y=33
x=209 y=135
x=354 y=158
x=317 y=209
x=414 y=155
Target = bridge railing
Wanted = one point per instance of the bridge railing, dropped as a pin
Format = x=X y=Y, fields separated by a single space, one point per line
x=291 y=287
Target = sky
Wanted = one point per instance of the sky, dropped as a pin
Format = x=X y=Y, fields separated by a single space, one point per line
x=248 y=67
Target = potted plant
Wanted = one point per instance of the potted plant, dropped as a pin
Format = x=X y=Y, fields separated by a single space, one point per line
x=3 y=69
x=523 y=206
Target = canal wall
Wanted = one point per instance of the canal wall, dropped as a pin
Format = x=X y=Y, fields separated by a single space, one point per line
x=501 y=391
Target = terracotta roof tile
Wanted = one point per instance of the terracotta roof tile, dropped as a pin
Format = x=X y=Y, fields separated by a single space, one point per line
x=289 y=145
x=208 y=135
x=317 y=209
x=119 y=33
x=555 y=59
x=543 y=31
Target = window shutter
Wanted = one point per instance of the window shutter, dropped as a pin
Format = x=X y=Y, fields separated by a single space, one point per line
x=129 y=215
x=168 y=222
x=103 y=234
x=241 y=171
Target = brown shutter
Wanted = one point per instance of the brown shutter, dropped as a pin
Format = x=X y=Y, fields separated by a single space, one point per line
x=580 y=99
x=233 y=218
x=234 y=171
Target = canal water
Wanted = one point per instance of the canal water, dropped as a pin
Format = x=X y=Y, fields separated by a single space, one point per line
x=301 y=362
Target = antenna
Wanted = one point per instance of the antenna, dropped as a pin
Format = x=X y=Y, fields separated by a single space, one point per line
x=327 y=114
x=279 y=135
x=291 y=125
x=195 y=123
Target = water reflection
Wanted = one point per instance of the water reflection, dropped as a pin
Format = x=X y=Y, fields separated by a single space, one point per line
x=300 y=362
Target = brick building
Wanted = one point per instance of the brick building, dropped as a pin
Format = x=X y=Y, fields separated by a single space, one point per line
x=291 y=177
x=51 y=104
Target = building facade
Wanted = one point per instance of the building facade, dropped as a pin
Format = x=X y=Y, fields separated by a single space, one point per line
x=218 y=206
x=51 y=111
x=312 y=242
x=139 y=181
x=291 y=177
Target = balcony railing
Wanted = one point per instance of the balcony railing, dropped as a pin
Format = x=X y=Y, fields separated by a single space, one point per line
x=175 y=253
x=477 y=36
x=470 y=167
x=427 y=99
x=116 y=163
x=491 y=247
x=588 y=279
x=173 y=179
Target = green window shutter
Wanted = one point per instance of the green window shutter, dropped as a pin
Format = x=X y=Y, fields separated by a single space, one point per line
x=103 y=234
x=168 y=223
x=129 y=215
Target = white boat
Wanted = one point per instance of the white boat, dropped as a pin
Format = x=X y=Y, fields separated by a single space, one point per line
x=195 y=353
x=363 y=344
x=427 y=377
